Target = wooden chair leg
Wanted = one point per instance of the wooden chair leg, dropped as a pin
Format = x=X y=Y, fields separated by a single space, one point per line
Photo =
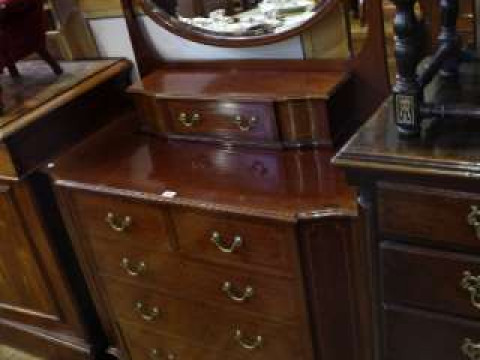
x=45 y=55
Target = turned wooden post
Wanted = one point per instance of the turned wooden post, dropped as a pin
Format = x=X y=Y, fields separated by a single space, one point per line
x=449 y=36
x=407 y=93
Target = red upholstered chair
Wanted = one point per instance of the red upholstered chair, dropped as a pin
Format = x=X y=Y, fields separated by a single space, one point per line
x=22 y=32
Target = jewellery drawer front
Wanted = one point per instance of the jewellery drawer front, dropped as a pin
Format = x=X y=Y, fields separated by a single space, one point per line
x=418 y=335
x=429 y=279
x=429 y=215
x=145 y=344
x=209 y=325
x=223 y=239
x=116 y=218
x=221 y=119
x=269 y=296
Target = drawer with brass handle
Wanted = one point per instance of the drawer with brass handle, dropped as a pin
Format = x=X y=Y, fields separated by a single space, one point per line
x=414 y=334
x=425 y=215
x=223 y=120
x=145 y=344
x=272 y=297
x=113 y=217
x=443 y=281
x=227 y=240
x=214 y=327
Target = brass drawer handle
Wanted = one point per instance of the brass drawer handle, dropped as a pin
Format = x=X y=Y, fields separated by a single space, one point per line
x=245 y=124
x=189 y=121
x=471 y=350
x=472 y=285
x=156 y=354
x=228 y=289
x=147 y=315
x=473 y=219
x=133 y=270
x=467 y=16
x=248 y=344
x=217 y=240
x=117 y=223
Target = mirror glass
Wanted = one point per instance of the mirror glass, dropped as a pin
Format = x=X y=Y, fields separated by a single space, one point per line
x=236 y=18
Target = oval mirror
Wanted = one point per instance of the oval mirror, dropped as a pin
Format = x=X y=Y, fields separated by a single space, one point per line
x=236 y=23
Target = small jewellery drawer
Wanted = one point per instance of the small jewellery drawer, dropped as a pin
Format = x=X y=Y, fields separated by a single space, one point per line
x=429 y=279
x=135 y=223
x=213 y=327
x=418 y=335
x=232 y=240
x=268 y=296
x=440 y=216
x=235 y=120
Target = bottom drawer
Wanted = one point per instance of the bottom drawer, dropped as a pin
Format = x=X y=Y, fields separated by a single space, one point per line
x=147 y=345
x=419 y=335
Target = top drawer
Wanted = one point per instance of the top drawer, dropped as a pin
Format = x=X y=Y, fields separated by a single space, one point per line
x=116 y=218
x=432 y=215
x=247 y=121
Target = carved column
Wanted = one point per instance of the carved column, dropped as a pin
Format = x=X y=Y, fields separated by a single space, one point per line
x=407 y=93
x=449 y=36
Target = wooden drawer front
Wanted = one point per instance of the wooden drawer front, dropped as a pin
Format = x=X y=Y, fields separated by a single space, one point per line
x=431 y=215
x=142 y=343
x=134 y=223
x=247 y=121
x=431 y=279
x=412 y=335
x=236 y=241
x=206 y=325
x=272 y=297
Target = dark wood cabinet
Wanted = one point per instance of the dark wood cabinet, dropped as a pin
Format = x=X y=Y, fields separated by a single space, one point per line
x=422 y=254
x=45 y=309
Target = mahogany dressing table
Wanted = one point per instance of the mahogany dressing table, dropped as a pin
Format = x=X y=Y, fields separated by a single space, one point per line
x=213 y=226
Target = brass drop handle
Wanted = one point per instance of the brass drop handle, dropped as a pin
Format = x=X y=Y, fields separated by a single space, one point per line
x=471 y=283
x=147 y=314
x=473 y=219
x=133 y=270
x=234 y=295
x=156 y=354
x=470 y=349
x=189 y=121
x=117 y=223
x=245 y=124
x=248 y=344
x=217 y=240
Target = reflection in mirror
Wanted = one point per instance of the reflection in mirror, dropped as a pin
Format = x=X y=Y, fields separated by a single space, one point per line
x=240 y=17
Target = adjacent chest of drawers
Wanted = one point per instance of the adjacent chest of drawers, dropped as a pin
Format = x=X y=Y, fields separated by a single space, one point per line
x=45 y=310
x=225 y=267
x=422 y=255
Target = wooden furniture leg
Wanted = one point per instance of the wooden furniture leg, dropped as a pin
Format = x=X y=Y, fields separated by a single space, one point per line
x=45 y=55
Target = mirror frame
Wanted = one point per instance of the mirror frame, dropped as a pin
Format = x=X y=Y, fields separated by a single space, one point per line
x=198 y=35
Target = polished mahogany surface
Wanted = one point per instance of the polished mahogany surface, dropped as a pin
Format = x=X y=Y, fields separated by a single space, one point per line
x=449 y=147
x=283 y=185
x=240 y=84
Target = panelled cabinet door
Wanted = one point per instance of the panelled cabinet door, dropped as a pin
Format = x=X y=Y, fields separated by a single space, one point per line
x=32 y=291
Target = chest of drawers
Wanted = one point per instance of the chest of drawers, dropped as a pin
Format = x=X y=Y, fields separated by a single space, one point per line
x=223 y=270
x=423 y=250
